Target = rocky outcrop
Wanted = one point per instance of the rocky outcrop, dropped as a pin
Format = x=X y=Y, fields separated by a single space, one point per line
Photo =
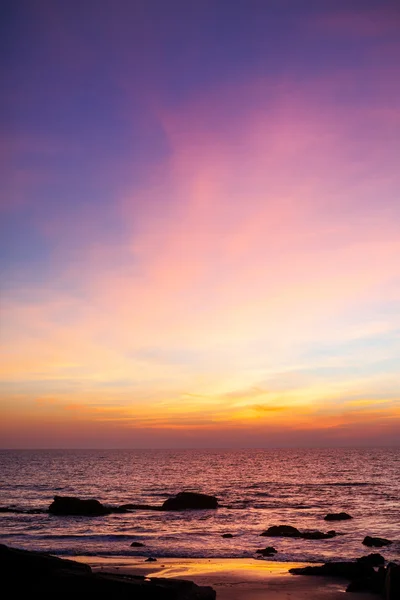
x=376 y=542
x=318 y=535
x=128 y=507
x=268 y=551
x=281 y=531
x=293 y=532
x=227 y=535
x=137 y=545
x=37 y=575
x=190 y=500
x=374 y=584
x=392 y=582
x=362 y=575
x=69 y=505
x=374 y=560
x=342 y=516
x=20 y=511
x=346 y=570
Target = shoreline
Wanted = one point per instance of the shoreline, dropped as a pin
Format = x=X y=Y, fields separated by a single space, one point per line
x=233 y=579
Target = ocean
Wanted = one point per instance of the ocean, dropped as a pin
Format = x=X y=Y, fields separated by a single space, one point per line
x=256 y=489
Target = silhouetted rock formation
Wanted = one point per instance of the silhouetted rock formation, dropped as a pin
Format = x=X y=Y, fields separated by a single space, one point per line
x=227 y=535
x=268 y=551
x=151 y=559
x=129 y=507
x=318 y=535
x=18 y=511
x=342 y=516
x=392 y=582
x=363 y=576
x=68 y=505
x=293 y=532
x=190 y=500
x=137 y=545
x=37 y=575
x=281 y=531
x=378 y=542
x=374 y=560
x=346 y=569
x=373 y=584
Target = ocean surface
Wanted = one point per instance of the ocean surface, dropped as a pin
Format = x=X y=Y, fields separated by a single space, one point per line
x=256 y=488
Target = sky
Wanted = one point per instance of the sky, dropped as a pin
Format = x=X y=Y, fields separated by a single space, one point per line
x=200 y=223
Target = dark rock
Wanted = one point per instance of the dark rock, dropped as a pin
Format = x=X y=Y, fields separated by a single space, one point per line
x=268 y=551
x=366 y=584
x=227 y=535
x=347 y=570
x=18 y=511
x=374 y=560
x=376 y=541
x=292 y=532
x=128 y=507
x=68 y=505
x=392 y=582
x=282 y=531
x=137 y=545
x=318 y=535
x=38 y=575
x=151 y=559
x=190 y=500
x=342 y=516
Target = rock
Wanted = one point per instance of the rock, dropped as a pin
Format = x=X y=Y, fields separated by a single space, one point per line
x=293 y=532
x=68 y=505
x=347 y=570
x=374 y=560
x=268 y=551
x=190 y=500
x=128 y=507
x=376 y=541
x=151 y=559
x=227 y=535
x=392 y=582
x=137 y=545
x=342 y=516
x=28 y=511
x=282 y=531
x=373 y=584
x=318 y=535
x=38 y=575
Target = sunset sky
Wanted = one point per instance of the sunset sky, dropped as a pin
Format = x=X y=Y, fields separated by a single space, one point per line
x=200 y=223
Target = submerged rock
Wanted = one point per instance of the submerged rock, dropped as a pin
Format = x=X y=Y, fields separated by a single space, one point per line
x=190 y=500
x=128 y=507
x=38 y=575
x=378 y=542
x=293 y=532
x=69 y=505
x=342 y=516
x=227 y=535
x=318 y=535
x=268 y=551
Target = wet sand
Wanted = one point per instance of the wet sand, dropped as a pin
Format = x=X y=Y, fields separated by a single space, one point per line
x=234 y=579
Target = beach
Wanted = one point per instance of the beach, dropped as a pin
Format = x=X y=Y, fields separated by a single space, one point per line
x=232 y=579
